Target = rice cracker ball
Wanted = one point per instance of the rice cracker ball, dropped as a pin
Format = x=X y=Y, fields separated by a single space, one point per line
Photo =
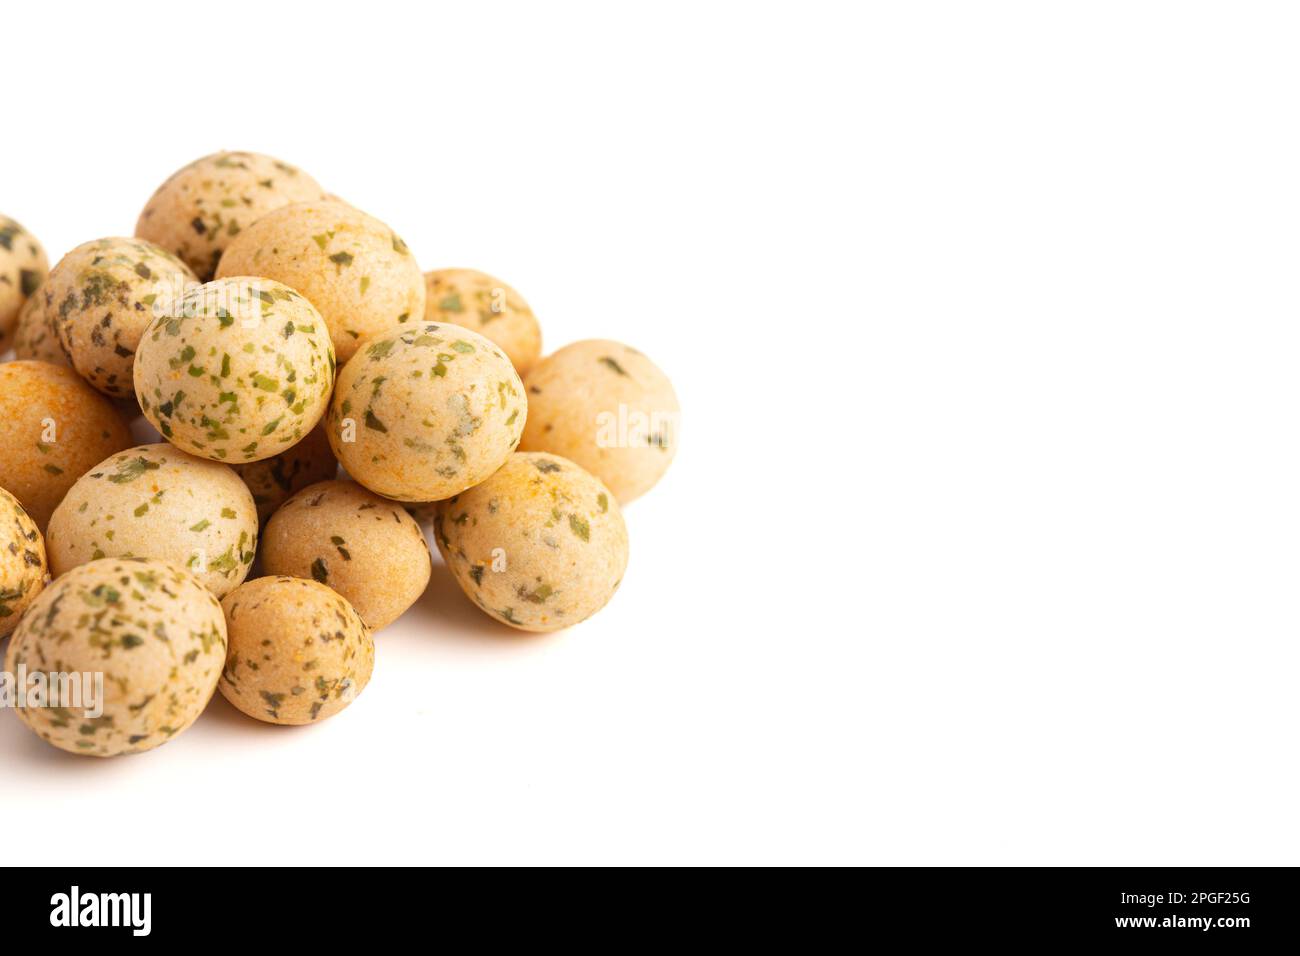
x=363 y=546
x=238 y=370
x=22 y=562
x=424 y=412
x=202 y=207
x=53 y=429
x=22 y=270
x=273 y=480
x=154 y=632
x=298 y=651
x=491 y=308
x=351 y=266
x=607 y=407
x=540 y=545
x=35 y=337
x=102 y=296
x=155 y=501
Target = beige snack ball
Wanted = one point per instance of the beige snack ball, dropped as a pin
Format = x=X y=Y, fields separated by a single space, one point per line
x=155 y=501
x=157 y=636
x=424 y=412
x=35 y=337
x=540 y=545
x=607 y=407
x=238 y=370
x=487 y=305
x=351 y=266
x=273 y=480
x=298 y=651
x=363 y=546
x=53 y=428
x=22 y=562
x=22 y=270
x=101 y=297
x=201 y=208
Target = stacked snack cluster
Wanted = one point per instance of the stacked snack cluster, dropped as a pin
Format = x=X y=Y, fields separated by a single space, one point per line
x=271 y=333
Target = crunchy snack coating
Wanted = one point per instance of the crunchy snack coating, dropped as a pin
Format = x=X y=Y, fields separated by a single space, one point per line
x=273 y=480
x=540 y=545
x=202 y=207
x=487 y=305
x=298 y=651
x=363 y=546
x=425 y=411
x=155 y=501
x=23 y=267
x=35 y=337
x=102 y=296
x=22 y=562
x=53 y=428
x=351 y=266
x=607 y=407
x=238 y=370
x=155 y=633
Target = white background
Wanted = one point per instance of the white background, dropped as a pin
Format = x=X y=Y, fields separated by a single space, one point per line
x=981 y=546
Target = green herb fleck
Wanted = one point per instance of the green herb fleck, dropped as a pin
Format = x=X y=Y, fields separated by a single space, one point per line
x=133 y=469
x=539 y=594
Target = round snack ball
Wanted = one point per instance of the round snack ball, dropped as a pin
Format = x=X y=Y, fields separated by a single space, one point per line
x=540 y=545
x=491 y=308
x=155 y=501
x=102 y=296
x=363 y=546
x=201 y=208
x=298 y=651
x=237 y=370
x=273 y=480
x=351 y=266
x=607 y=407
x=35 y=337
x=154 y=632
x=22 y=269
x=53 y=428
x=22 y=562
x=426 y=411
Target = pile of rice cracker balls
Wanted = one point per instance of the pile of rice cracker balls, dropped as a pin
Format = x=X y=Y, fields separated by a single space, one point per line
x=270 y=332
